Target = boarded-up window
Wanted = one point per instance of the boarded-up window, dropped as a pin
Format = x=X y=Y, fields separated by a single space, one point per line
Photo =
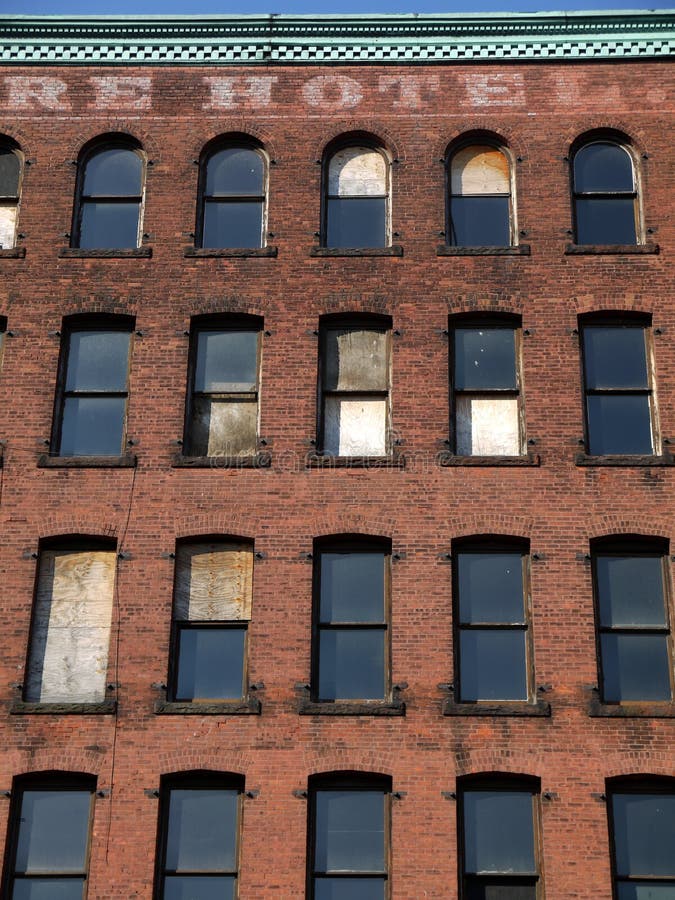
x=68 y=659
x=487 y=400
x=480 y=198
x=222 y=418
x=355 y=389
x=212 y=607
x=10 y=177
x=357 y=195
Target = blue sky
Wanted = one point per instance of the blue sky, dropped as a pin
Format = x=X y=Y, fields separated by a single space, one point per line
x=306 y=7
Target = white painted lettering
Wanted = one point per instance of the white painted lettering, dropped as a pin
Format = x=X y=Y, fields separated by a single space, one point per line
x=501 y=89
x=245 y=90
x=331 y=91
x=122 y=91
x=30 y=91
x=410 y=91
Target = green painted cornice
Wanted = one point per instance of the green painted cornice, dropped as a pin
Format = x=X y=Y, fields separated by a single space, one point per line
x=308 y=40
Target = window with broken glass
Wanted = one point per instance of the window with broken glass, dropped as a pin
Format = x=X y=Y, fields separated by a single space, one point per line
x=619 y=394
x=349 y=838
x=109 y=197
x=223 y=387
x=354 y=388
x=199 y=828
x=351 y=614
x=480 y=207
x=91 y=401
x=492 y=623
x=605 y=194
x=213 y=592
x=49 y=837
x=232 y=195
x=635 y=659
x=356 y=198
x=499 y=827
x=10 y=190
x=486 y=388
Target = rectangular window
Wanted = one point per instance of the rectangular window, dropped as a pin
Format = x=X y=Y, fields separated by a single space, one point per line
x=642 y=828
x=498 y=833
x=349 y=840
x=200 y=822
x=70 y=630
x=491 y=613
x=212 y=608
x=351 y=640
x=633 y=630
x=354 y=413
x=222 y=413
x=486 y=387
x=49 y=850
x=618 y=390
x=91 y=402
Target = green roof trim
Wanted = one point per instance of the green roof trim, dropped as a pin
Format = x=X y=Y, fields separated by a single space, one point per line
x=311 y=40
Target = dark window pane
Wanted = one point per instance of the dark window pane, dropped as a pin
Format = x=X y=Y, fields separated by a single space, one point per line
x=605 y=220
x=236 y=170
x=202 y=832
x=92 y=426
x=644 y=834
x=98 y=361
x=351 y=664
x=356 y=222
x=615 y=357
x=630 y=590
x=495 y=890
x=206 y=887
x=349 y=888
x=352 y=587
x=493 y=665
x=210 y=663
x=635 y=667
x=349 y=831
x=490 y=587
x=231 y=224
x=111 y=226
x=645 y=891
x=227 y=361
x=53 y=831
x=48 y=889
x=619 y=424
x=479 y=222
x=485 y=358
x=498 y=832
x=116 y=172
x=603 y=167
x=10 y=166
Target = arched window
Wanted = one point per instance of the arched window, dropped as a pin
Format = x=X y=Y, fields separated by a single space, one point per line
x=480 y=208
x=10 y=188
x=232 y=198
x=605 y=194
x=109 y=197
x=356 y=201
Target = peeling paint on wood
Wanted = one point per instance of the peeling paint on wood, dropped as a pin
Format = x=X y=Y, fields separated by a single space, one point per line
x=214 y=581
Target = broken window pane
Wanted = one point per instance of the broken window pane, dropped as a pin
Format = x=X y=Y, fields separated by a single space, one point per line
x=605 y=196
x=109 y=201
x=233 y=199
x=70 y=633
x=356 y=199
x=480 y=198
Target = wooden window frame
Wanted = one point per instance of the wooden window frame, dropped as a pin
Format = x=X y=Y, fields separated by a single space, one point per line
x=607 y=195
x=13 y=201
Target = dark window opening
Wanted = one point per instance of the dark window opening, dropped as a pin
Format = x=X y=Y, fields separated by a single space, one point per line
x=356 y=200
x=480 y=205
x=10 y=190
x=605 y=194
x=233 y=193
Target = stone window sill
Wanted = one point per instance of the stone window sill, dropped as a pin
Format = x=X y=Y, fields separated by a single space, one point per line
x=529 y=459
x=126 y=253
x=12 y=253
x=351 y=708
x=105 y=708
x=515 y=708
x=633 y=710
x=583 y=459
x=318 y=461
x=248 y=706
x=323 y=252
x=126 y=461
x=611 y=249
x=255 y=461
x=230 y=252
x=519 y=250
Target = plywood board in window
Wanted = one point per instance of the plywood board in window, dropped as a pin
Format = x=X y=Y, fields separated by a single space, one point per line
x=356 y=360
x=355 y=426
x=357 y=172
x=479 y=170
x=214 y=582
x=7 y=226
x=488 y=426
x=224 y=427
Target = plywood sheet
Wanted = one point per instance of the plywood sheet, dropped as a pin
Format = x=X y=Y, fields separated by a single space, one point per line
x=487 y=426
x=214 y=582
x=356 y=360
x=224 y=428
x=357 y=172
x=355 y=426
x=479 y=170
